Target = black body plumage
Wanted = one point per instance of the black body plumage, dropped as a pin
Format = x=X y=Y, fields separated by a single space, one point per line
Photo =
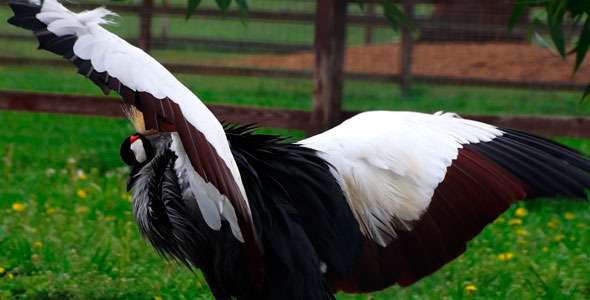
x=307 y=230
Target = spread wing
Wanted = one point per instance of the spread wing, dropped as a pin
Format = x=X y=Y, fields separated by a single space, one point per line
x=423 y=185
x=167 y=105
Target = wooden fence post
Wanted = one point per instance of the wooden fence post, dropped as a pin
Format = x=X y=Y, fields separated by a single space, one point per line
x=330 y=36
x=145 y=25
x=407 y=50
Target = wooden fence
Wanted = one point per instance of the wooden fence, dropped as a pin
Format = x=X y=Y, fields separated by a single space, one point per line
x=267 y=117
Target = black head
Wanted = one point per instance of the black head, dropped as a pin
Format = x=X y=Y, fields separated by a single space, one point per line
x=136 y=151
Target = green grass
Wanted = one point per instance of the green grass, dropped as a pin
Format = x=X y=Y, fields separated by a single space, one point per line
x=90 y=248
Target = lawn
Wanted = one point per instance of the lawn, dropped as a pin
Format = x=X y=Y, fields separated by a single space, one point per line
x=67 y=229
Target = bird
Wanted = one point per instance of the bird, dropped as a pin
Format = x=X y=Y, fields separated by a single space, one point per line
x=385 y=198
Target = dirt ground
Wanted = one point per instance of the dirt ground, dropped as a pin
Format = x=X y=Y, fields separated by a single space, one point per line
x=509 y=61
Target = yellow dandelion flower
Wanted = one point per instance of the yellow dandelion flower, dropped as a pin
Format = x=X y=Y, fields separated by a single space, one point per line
x=2 y=270
x=522 y=232
x=570 y=216
x=126 y=197
x=471 y=288
x=505 y=256
x=545 y=249
x=18 y=207
x=157 y=298
x=500 y=220
x=559 y=237
x=81 y=209
x=522 y=242
x=50 y=211
x=552 y=224
x=10 y=276
x=81 y=193
x=82 y=175
x=38 y=244
x=515 y=222
x=521 y=212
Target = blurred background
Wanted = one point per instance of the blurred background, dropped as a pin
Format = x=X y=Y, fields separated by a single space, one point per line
x=65 y=224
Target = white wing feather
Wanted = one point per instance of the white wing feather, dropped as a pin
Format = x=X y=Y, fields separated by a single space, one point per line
x=213 y=205
x=140 y=72
x=389 y=163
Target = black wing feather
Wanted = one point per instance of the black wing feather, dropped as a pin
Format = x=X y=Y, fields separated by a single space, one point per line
x=24 y=16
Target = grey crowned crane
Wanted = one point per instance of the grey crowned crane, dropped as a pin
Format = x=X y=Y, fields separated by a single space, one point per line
x=383 y=198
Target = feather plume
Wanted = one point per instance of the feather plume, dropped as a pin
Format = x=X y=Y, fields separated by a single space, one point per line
x=135 y=116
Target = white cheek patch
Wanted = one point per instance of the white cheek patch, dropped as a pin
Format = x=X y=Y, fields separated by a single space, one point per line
x=138 y=151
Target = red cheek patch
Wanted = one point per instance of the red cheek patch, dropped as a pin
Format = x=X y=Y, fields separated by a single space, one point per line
x=133 y=138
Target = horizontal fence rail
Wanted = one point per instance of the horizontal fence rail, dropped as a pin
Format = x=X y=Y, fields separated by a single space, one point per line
x=578 y=127
x=252 y=46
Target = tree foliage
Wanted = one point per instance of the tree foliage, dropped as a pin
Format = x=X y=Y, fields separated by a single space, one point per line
x=556 y=12
x=191 y=6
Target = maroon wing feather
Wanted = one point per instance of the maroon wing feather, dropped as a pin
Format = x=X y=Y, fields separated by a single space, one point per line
x=473 y=193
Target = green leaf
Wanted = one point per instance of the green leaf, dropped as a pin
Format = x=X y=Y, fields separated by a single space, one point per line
x=555 y=14
x=543 y=43
x=519 y=9
x=191 y=6
x=535 y=23
x=361 y=4
x=582 y=44
x=223 y=4
x=243 y=7
x=396 y=16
